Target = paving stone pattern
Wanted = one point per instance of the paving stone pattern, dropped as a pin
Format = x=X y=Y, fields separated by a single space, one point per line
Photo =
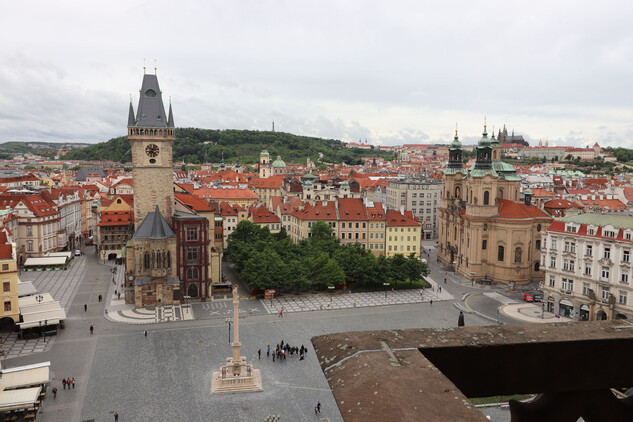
x=11 y=346
x=318 y=302
x=61 y=284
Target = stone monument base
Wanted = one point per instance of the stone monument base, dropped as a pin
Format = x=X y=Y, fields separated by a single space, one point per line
x=236 y=377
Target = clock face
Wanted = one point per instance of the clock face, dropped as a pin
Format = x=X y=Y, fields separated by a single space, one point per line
x=152 y=150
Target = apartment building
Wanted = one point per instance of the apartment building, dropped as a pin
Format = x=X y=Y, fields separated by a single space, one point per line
x=403 y=234
x=421 y=197
x=587 y=262
x=9 y=279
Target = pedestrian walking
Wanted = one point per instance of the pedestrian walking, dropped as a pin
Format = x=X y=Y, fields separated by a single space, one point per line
x=54 y=393
x=439 y=289
x=268 y=351
x=118 y=295
x=319 y=407
x=460 y=319
x=100 y=298
x=92 y=328
x=85 y=307
x=73 y=382
x=259 y=352
x=281 y=312
x=64 y=383
x=316 y=411
x=116 y=416
x=444 y=281
x=145 y=333
x=431 y=302
x=273 y=357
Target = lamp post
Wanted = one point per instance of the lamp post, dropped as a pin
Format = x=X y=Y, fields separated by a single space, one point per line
x=331 y=289
x=229 y=321
x=39 y=298
x=542 y=310
x=386 y=288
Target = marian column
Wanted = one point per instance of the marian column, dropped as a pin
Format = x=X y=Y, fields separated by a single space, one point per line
x=236 y=375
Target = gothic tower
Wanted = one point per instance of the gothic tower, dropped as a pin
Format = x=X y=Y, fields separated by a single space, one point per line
x=151 y=135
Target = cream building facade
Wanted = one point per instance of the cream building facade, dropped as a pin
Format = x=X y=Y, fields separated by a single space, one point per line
x=588 y=265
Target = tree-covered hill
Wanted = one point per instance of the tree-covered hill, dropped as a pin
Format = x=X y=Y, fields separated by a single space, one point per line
x=196 y=145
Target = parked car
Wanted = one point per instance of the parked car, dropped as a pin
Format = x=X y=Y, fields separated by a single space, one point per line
x=77 y=252
x=537 y=297
x=528 y=297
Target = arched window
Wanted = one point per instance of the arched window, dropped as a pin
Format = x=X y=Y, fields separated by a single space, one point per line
x=164 y=259
x=486 y=197
x=500 y=253
x=518 y=255
x=537 y=245
x=153 y=259
x=500 y=193
x=457 y=193
x=537 y=266
x=146 y=260
x=192 y=274
x=484 y=244
x=158 y=260
x=168 y=260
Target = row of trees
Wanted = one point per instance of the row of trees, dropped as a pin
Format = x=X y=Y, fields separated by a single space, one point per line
x=266 y=260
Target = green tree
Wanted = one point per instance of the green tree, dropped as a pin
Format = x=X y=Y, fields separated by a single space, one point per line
x=331 y=274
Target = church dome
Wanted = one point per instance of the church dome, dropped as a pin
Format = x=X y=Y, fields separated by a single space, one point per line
x=264 y=153
x=484 y=141
x=279 y=163
x=456 y=144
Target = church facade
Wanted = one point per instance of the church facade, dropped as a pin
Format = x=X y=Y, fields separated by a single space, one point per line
x=484 y=231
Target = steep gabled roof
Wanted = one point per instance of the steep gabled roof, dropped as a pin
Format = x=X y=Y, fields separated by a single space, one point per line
x=193 y=202
x=394 y=218
x=151 y=111
x=351 y=209
x=154 y=227
x=262 y=215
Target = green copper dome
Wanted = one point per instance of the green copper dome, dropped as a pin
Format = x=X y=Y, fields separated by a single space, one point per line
x=456 y=144
x=279 y=163
x=484 y=141
x=264 y=153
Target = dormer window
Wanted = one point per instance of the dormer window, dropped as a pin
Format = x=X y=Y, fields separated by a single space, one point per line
x=150 y=93
x=609 y=233
x=570 y=229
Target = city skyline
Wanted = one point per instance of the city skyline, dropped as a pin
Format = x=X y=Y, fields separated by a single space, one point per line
x=403 y=73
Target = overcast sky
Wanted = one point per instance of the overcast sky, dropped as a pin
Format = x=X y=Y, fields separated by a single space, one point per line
x=386 y=71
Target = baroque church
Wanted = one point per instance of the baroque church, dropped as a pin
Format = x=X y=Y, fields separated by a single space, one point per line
x=484 y=231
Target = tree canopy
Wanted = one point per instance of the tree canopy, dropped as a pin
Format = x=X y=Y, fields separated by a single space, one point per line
x=267 y=260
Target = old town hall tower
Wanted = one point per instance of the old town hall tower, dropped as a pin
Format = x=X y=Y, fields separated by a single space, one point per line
x=151 y=267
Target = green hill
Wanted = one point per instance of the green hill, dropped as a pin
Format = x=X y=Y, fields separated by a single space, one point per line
x=195 y=145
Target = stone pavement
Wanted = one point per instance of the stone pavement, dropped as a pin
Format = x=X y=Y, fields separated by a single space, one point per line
x=344 y=300
x=11 y=346
x=61 y=284
x=532 y=312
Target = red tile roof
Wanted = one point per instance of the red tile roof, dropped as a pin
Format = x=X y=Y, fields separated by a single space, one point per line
x=518 y=210
x=394 y=218
x=272 y=182
x=193 y=202
x=351 y=209
x=116 y=218
x=319 y=211
x=262 y=215
x=225 y=194
x=376 y=212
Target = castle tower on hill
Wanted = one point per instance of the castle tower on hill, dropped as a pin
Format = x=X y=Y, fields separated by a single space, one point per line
x=151 y=259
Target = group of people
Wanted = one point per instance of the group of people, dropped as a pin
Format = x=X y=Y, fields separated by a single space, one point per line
x=282 y=351
x=66 y=382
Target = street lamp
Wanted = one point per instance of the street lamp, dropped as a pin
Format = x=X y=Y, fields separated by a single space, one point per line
x=229 y=321
x=39 y=298
x=331 y=289
x=386 y=288
x=542 y=310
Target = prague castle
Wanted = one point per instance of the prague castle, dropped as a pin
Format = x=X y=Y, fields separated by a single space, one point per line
x=484 y=231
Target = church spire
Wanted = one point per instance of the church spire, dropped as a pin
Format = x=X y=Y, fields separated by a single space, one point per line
x=150 y=112
x=131 y=121
x=170 y=120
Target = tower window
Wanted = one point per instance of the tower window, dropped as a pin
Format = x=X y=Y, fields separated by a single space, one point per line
x=150 y=93
x=486 y=198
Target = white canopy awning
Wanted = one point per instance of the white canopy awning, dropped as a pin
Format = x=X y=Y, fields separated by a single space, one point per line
x=25 y=376
x=24 y=398
x=47 y=260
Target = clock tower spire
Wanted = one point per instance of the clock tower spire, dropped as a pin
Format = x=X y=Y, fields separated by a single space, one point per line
x=151 y=135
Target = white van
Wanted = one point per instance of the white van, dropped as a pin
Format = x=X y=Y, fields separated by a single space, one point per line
x=77 y=252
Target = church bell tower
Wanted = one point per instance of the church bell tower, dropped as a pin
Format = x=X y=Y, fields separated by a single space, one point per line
x=151 y=135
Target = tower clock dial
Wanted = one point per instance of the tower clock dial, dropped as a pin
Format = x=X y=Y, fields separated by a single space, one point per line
x=152 y=150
